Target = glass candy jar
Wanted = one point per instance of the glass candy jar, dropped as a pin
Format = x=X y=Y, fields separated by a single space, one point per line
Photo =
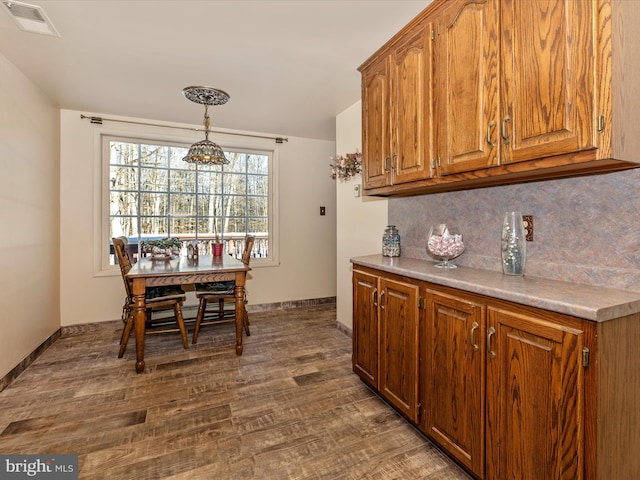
x=391 y=242
x=444 y=242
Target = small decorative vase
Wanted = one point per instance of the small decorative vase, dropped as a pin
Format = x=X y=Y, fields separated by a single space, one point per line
x=513 y=244
x=217 y=249
x=391 y=242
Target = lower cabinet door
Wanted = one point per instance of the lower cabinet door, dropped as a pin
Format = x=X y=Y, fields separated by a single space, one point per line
x=365 y=327
x=535 y=405
x=453 y=377
x=398 y=350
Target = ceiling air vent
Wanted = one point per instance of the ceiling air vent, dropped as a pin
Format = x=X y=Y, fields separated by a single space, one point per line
x=30 y=18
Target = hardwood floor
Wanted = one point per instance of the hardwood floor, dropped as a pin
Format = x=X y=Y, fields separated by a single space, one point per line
x=288 y=408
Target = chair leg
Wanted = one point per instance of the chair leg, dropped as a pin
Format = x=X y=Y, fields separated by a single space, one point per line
x=199 y=317
x=245 y=321
x=246 y=316
x=126 y=309
x=126 y=332
x=221 y=309
x=177 y=308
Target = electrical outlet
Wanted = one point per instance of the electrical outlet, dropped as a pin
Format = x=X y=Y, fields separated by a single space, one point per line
x=528 y=227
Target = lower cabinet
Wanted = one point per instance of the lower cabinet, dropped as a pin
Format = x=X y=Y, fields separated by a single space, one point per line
x=385 y=338
x=365 y=327
x=498 y=386
x=535 y=389
x=452 y=371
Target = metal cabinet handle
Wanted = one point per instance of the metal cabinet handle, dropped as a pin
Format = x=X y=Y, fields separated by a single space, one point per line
x=386 y=164
x=393 y=163
x=472 y=336
x=491 y=333
x=374 y=297
x=381 y=302
x=489 y=128
x=505 y=135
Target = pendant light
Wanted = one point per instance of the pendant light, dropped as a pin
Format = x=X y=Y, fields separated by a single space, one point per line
x=206 y=152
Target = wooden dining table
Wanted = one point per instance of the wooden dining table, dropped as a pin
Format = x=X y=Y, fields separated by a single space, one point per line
x=149 y=272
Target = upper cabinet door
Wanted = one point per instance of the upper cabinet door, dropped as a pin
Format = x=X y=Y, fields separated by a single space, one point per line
x=375 y=124
x=411 y=86
x=467 y=86
x=547 y=79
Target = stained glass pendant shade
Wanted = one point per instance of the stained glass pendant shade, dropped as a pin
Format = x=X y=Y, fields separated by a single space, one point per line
x=206 y=152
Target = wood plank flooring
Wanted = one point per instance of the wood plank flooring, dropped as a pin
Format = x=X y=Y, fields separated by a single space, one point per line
x=289 y=408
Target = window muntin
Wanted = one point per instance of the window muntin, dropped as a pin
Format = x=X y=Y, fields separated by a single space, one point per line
x=154 y=193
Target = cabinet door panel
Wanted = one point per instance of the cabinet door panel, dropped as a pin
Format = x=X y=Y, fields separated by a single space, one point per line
x=548 y=77
x=375 y=125
x=399 y=345
x=412 y=119
x=454 y=377
x=534 y=399
x=365 y=327
x=466 y=79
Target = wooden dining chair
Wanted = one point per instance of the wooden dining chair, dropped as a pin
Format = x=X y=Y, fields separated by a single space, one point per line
x=220 y=292
x=156 y=299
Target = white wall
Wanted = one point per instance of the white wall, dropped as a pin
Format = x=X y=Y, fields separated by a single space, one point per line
x=360 y=220
x=307 y=240
x=29 y=215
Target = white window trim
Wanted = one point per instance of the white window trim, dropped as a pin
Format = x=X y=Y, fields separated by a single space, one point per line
x=159 y=135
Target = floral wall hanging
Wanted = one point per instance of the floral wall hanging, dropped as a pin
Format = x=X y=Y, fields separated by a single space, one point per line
x=346 y=167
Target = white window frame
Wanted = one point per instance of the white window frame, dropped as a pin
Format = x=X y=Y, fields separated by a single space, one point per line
x=103 y=135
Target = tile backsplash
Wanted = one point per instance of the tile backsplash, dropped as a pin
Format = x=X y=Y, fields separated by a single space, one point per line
x=586 y=229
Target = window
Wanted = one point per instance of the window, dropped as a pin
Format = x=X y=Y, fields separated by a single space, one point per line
x=153 y=193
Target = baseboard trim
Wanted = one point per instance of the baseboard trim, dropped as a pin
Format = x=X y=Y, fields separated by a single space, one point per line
x=344 y=329
x=28 y=360
x=310 y=302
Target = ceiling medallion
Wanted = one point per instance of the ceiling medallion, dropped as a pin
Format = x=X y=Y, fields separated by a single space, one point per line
x=206 y=152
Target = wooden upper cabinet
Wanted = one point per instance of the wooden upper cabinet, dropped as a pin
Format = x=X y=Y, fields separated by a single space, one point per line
x=535 y=397
x=467 y=131
x=548 y=84
x=476 y=93
x=396 y=113
x=411 y=115
x=375 y=124
x=536 y=101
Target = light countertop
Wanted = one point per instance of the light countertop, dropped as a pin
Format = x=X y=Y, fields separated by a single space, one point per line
x=598 y=304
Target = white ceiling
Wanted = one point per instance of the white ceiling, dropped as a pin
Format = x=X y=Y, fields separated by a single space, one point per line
x=289 y=66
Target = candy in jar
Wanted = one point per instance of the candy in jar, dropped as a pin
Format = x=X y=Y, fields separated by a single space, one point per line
x=391 y=242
